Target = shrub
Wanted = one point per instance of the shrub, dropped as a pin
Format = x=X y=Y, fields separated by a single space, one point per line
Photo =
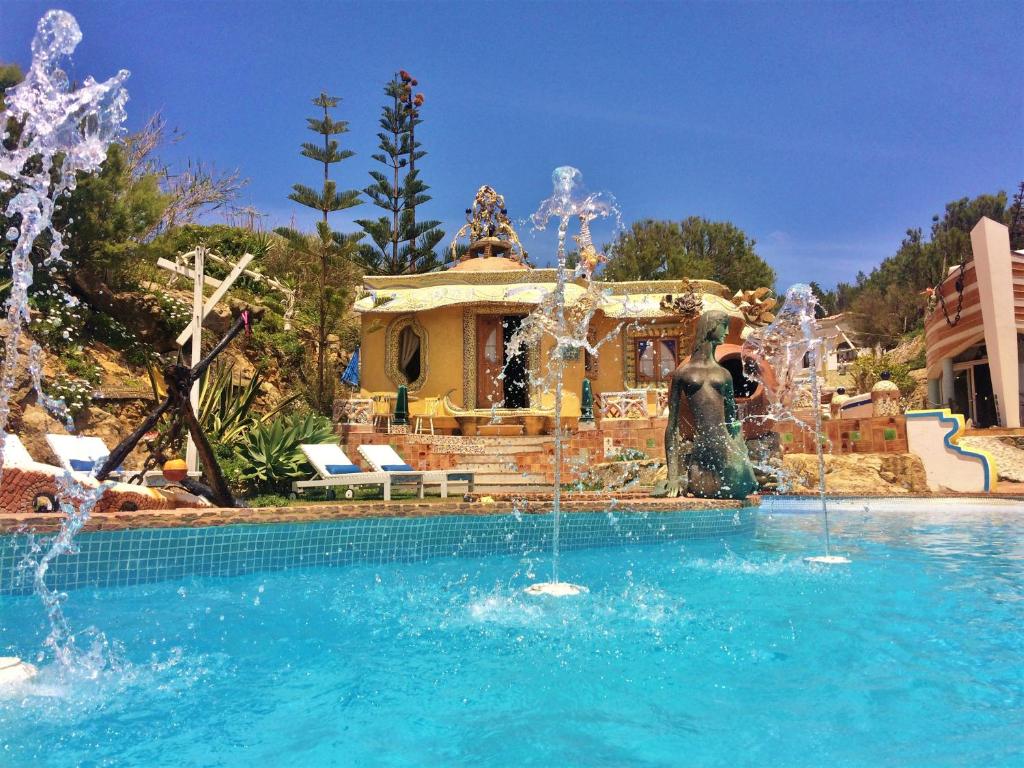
x=270 y=453
x=61 y=318
x=175 y=315
x=116 y=335
x=76 y=393
x=268 y=500
x=77 y=365
x=226 y=406
x=867 y=370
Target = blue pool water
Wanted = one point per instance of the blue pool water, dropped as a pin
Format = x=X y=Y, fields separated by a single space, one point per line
x=723 y=652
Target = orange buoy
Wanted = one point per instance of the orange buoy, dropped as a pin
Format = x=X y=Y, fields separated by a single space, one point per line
x=175 y=470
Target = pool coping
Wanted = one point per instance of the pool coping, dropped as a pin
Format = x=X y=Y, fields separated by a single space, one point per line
x=12 y=523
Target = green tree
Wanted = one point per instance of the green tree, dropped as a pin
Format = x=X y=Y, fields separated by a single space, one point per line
x=325 y=254
x=1016 y=215
x=692 y=248
x=827 y=300
x=867 y=370
x=10 y=74
x=401 y=244
x=109 y=215
x=887 y=303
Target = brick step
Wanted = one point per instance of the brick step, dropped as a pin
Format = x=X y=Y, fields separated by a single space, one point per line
x=513 y=489
x=491 y=467
x=455 y=440
x=506 y=450
x=509 y=478
x=492 y=451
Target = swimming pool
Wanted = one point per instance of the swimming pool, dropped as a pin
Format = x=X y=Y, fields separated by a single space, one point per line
x=726 y=650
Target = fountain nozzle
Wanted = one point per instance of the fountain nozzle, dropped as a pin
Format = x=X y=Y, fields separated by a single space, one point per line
x=555 y=589
x=14 y=671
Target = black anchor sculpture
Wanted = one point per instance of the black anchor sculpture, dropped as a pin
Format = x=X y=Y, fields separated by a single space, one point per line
x=179 y=380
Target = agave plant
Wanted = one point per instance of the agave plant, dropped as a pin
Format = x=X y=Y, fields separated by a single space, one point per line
x=226 y=405
x=270 y=453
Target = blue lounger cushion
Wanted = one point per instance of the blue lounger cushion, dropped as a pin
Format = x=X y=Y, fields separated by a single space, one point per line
x=342 y=469
x=465 y=476
x=397 y=468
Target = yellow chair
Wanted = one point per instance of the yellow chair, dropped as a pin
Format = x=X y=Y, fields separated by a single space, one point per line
x=429 y=408
x=382 y=408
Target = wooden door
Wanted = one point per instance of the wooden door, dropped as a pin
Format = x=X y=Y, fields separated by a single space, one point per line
x=490 y=360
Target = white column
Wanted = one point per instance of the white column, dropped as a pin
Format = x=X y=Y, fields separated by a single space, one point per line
x=191 y=458
x=934 y=396
x=947 y=383
x=990 y=242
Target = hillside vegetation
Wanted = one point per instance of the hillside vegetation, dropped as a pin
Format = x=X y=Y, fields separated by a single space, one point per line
x=889 y=302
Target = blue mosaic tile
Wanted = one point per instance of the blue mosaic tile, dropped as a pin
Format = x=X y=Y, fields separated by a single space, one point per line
x=120 y=558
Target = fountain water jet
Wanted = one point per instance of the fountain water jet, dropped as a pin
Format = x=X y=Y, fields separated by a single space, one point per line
x=50 y=133
x=783 y=345
x=569 y=200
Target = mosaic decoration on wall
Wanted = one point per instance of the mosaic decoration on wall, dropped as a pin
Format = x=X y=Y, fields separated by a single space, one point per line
x=469 y=348
x=391 y=352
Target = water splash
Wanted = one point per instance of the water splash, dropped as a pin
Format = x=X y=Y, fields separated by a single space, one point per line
x=782 y=347
x=51 y=132
x=569 y=329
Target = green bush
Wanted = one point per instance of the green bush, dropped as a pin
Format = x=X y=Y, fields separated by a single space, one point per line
x=175 y=315
x=77 y=365
x=270 y=454
x=226 y=406
x=268 y=500
x=113 y=333
x=76 y=393
x=60 y=318
x=867 y=370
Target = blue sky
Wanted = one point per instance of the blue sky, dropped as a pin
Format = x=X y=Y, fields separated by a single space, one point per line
x=824 y=130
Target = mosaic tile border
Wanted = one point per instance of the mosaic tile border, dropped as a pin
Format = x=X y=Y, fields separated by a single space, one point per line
x=138 y=556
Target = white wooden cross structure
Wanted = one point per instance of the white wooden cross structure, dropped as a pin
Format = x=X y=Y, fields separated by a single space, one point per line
x=200 y=311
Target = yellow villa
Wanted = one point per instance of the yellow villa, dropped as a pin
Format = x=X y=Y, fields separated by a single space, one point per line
x=444 y=335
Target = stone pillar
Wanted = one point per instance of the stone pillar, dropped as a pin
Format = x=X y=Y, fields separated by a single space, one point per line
x=990 y=243
x=947 y=382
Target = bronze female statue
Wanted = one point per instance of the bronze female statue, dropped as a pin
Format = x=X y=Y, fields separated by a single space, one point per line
x=714 y=464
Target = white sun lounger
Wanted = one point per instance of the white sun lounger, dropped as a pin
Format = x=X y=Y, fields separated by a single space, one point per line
x=384 y=458
x=81 y=454
x=89 y=453
x=333 y=469
x=16 y=455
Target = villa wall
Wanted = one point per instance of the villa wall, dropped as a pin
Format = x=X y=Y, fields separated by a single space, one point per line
x=609 y=362
x=444 y=358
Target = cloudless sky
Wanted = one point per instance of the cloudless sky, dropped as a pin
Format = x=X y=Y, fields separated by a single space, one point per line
x=824 y=130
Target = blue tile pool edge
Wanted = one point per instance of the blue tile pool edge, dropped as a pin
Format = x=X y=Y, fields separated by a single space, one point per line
x=144 y=555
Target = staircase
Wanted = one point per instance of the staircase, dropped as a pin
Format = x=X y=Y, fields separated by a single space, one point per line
x=507 y=464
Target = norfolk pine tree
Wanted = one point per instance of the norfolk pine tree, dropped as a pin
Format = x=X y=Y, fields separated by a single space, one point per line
x=326 y=255
x=401 y=244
